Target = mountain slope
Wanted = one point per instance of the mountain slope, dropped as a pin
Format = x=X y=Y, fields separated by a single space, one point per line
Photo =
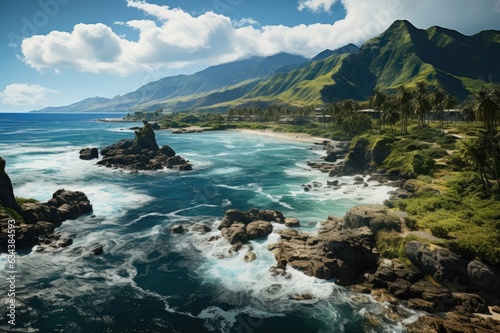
x=208 y=80
x=402 y=55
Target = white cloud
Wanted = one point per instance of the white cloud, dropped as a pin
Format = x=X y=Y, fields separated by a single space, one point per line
x=316 y=5
x=244 y=22
x=19 y=94
x=173 y=38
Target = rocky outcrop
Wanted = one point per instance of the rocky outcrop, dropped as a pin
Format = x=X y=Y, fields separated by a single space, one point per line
x=363 y=155
x=376 y=217
x=41 y=219
x=142 y=153
x=240 y=227
x=336 y=253
x=89 y=154
x=446 y=266
x=454 y=322
x=7 y=198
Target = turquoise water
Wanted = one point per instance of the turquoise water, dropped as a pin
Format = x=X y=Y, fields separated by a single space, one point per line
x=148 y=280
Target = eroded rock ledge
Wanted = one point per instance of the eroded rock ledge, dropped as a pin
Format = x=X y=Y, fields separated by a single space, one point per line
x=344 y=250
x=142 y=153
x=39 y=221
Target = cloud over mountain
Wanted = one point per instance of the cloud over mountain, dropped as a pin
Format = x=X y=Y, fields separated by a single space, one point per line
x=173 y=38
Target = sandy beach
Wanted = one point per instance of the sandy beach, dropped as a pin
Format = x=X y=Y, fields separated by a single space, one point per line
x=298 y=137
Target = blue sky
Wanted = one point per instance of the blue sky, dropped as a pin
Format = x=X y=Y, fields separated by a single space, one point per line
x=57 y=52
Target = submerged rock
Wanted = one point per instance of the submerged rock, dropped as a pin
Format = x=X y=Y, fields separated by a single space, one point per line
x=142 y=153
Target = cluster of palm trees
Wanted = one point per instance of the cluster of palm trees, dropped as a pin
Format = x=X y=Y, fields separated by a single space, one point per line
x=408 y=103
x=482 y=153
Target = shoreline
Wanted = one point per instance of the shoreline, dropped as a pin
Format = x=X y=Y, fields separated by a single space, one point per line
x=289 y=136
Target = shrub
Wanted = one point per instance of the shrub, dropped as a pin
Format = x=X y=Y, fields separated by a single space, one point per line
x=439 y=231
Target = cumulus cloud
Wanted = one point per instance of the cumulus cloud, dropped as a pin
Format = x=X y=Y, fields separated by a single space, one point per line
x=21 y=94
x=173 y=38
x=316 y=5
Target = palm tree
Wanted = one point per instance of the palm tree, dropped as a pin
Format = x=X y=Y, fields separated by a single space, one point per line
x=421 y=104
x=437 y=99
x=378 y=101
x=486 y=109
x=450 y=102
x=474 y=155
x=467 y=112
x=404 y=98
x=391 y=115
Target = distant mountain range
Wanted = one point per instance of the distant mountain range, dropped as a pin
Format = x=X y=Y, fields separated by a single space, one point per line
x=402 y=55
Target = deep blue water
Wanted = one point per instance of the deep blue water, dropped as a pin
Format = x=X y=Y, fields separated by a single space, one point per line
x=148 y=280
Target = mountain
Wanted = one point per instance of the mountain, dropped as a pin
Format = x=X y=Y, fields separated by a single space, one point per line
x=151 y=95
x=349 y=48
x=402 y=55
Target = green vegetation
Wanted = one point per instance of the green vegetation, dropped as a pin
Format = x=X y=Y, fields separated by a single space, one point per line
x=10 y=212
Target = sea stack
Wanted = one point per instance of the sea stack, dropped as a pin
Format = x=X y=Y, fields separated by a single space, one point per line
x=142 y=153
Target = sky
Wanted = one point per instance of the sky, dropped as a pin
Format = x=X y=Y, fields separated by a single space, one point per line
x=57 y=52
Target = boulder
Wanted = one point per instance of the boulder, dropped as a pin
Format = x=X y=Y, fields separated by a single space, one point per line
x=441 y=263
x=484 y=277
x=291 y=222
x=376 y=217
x=331 y=157
x=258 y=229
x=250 y=256
x=89 y=153
x=235 y=233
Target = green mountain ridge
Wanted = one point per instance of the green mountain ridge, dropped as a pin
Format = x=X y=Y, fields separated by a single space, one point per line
x=402 y=55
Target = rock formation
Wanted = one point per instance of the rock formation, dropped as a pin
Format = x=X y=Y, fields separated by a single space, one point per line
x=142 y=153
x=240 y=227
x=336 y=253
x=89 y=153
x=7 y=198
x=40 y=219
x=35 y=222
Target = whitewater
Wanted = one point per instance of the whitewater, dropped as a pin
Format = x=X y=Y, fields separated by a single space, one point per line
x=150 y=280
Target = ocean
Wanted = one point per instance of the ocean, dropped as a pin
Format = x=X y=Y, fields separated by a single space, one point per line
x=149 y=280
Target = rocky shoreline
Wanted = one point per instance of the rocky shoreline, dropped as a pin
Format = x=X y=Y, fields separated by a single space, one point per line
x=452 y=291
x=35 y=222
x=457 y=294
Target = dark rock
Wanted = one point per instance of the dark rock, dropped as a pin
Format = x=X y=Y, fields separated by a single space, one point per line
x=142 y=153
x=7 y=198
x=89 y=153
x=201 y=228
x=97 y=249
x=442 y=264
x=484 y=277
x=331 y=157
x=177 y=229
